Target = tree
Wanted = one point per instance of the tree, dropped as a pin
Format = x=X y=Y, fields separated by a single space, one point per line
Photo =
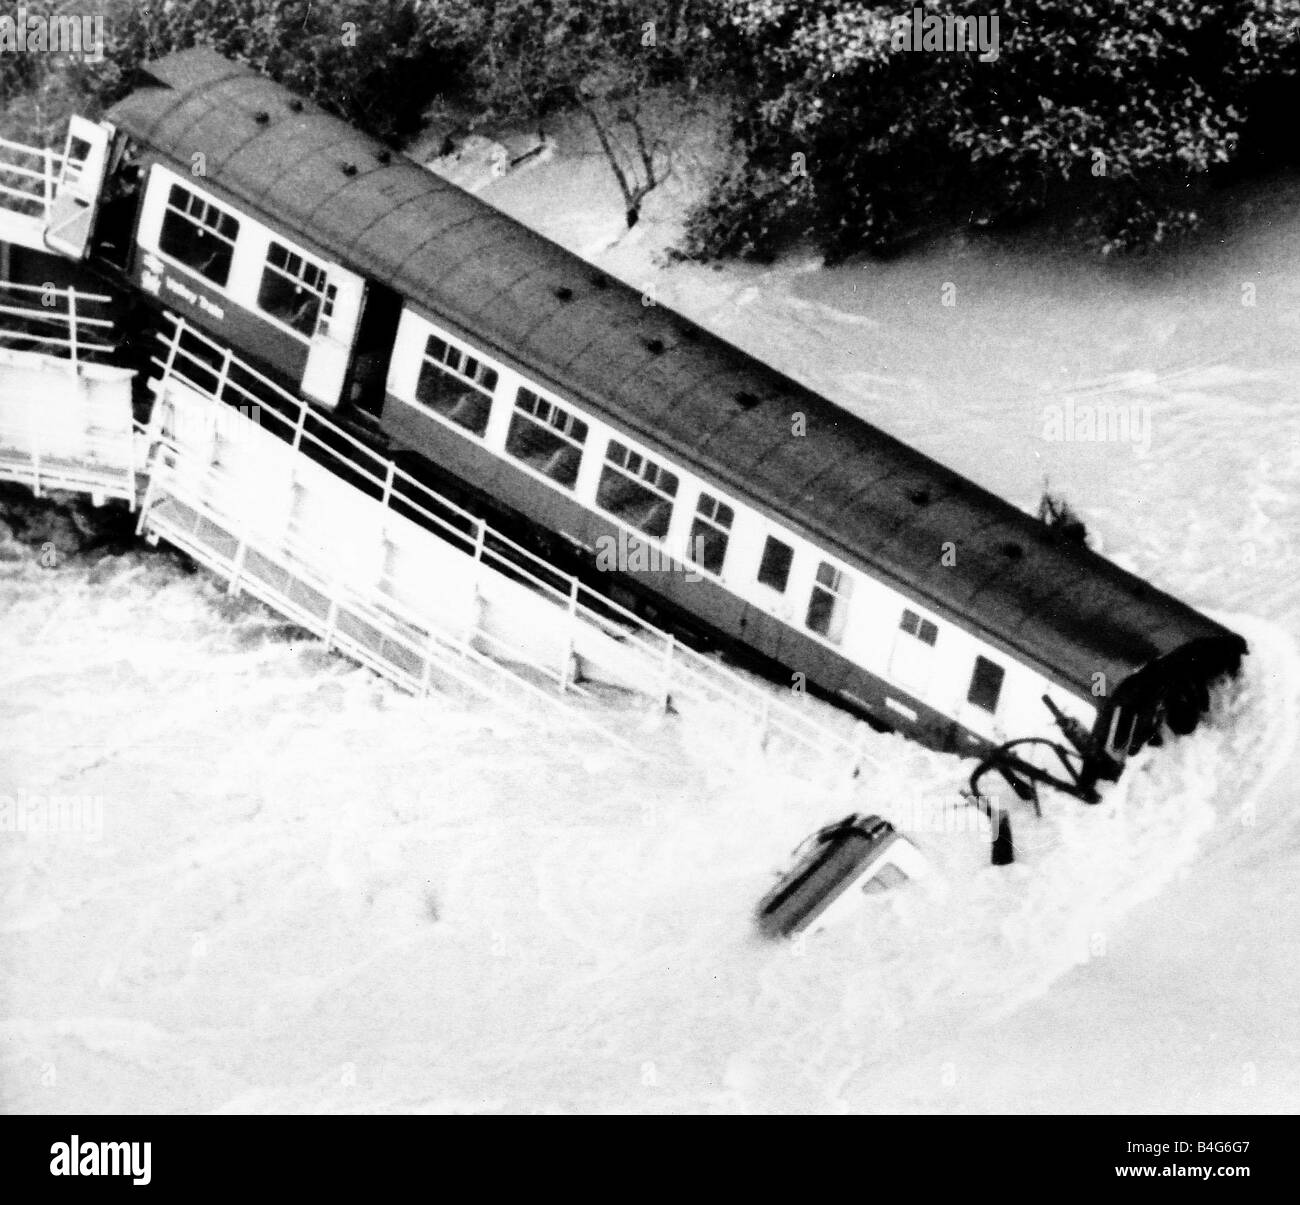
x=1058 y=515
x=1117 y=110
x=606 y=59
x=364 y=60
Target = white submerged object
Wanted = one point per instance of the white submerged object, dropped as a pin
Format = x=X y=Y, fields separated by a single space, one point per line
x=835 y=868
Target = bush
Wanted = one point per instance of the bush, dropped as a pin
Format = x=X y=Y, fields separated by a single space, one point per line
x=1117 y=112
x=367 y=61
x=1057 y=514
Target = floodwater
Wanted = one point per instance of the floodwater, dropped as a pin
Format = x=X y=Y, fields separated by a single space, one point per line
x=295 y=889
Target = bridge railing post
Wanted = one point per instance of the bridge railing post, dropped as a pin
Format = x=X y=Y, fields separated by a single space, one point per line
x=430 y=656
x=173 y=346
x=474 y=623
x=241 y=549
x=332 y=612
x=670 y=650
x=48 y=185
x=72 y=326
x=567 y=667
x=299 y=427
x=223 y=377
x=35 y=414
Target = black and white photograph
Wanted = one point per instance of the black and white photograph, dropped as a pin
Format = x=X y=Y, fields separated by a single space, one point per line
x=650 y=557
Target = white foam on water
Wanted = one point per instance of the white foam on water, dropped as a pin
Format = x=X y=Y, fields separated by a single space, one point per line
x=313 y=893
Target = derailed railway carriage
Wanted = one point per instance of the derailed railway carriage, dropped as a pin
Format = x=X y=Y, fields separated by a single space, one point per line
x=551 y=393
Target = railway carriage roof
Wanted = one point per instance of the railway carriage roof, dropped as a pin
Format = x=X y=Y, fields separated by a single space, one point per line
x=861 y=494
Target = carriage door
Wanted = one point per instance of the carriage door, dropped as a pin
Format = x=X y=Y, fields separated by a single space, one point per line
x=71 y=214
x=372 y=350
x=911 y=661
x=331 y=343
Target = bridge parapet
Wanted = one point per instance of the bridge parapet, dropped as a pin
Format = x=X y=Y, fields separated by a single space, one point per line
x=66 y=420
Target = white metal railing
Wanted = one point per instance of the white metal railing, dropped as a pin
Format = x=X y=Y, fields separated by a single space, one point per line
x=103 y=464
x=658 y=664
x=60 y=430
x=370 y=627
x=29 y=176
x=62 y=322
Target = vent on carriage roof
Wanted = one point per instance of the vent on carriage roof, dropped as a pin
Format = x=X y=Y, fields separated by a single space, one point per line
x=920 y=496
x=563 y=292
x=385 y=156
x=1012 y=551
x=296 y=105
x=261 y=117
x=746 y=400
x=349 y=169
x=655 y=344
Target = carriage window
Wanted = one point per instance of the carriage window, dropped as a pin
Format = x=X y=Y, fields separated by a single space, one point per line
x=828 y=605
x=198 y=234
x=456 y=385
x=774 y=569
x=925 y=631
x=295 y=290
x=78 y=152
x=637 y=490
x=985 y=684
x=709 y=532
x=546 y=437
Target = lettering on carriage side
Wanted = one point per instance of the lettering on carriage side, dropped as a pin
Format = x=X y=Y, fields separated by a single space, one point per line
x=181 y=290
x=193 y=296
x=151 y=274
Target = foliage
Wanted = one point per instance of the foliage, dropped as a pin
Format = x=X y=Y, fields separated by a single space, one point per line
x=380 y=64
x=1059 y=516
x=364 y=60
x=529 y=60
x=1117 y=111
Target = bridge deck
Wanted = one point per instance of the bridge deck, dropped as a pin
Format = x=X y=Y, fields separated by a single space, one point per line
x=287 y=506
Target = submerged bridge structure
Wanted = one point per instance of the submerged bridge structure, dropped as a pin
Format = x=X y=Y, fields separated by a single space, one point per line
x=285 y=505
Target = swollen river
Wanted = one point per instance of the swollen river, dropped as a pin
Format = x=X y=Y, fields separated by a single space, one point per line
x=296 y=889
